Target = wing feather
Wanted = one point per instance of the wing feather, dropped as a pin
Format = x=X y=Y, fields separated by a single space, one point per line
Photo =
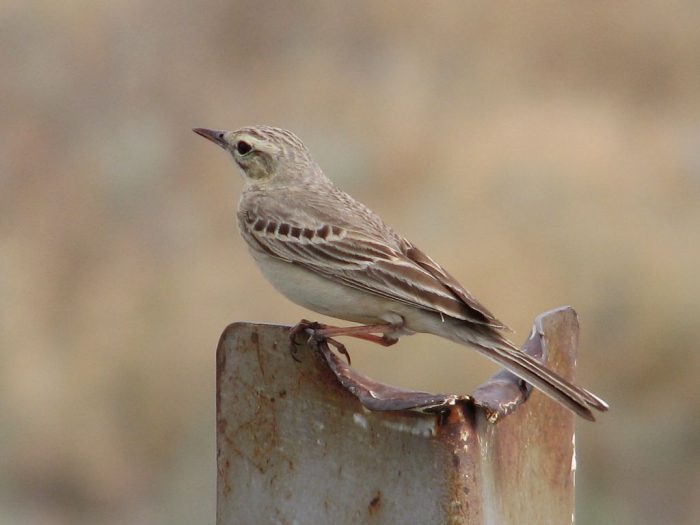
x=359 y=260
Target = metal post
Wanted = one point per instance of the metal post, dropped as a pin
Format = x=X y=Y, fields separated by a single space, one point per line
x=295 y=446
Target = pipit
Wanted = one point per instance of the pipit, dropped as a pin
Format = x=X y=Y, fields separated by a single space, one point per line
x=326 y=251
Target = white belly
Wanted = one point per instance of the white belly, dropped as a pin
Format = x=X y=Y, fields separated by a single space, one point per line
x=324 y=296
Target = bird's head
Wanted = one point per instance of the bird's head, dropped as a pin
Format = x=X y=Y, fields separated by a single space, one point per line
x=264 y=154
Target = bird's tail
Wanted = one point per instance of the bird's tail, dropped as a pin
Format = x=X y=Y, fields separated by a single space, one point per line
x=497 y=348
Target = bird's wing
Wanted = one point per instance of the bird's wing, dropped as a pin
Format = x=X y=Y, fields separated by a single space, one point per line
x=449 y=282
x=363 y=261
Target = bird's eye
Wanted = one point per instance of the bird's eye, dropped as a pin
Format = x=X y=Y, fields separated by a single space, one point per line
x=243 y=147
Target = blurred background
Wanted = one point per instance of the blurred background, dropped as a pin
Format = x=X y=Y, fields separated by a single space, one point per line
x=546 y=154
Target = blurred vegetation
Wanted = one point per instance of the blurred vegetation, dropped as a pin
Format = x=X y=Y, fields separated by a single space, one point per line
x=546 y=153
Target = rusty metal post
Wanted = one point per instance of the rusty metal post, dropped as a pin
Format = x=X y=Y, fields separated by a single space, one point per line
x=297 y=446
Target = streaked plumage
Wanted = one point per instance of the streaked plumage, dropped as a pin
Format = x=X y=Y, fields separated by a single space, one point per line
x=328 y=252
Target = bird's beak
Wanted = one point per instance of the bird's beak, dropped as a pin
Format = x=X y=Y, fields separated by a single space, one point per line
x=216 y=136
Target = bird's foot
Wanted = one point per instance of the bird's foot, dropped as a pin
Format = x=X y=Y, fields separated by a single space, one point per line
x=318 y=339
x=381 y=334
x=314 y=334
x=366 y=332
x=303 y=327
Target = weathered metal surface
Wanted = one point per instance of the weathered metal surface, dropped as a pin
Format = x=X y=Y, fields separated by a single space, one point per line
x=380 y=397
x=295 y=446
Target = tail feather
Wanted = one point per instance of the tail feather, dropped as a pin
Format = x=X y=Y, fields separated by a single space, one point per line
x=505 y=353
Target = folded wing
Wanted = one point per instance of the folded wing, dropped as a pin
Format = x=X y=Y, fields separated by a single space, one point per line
x=357 y=259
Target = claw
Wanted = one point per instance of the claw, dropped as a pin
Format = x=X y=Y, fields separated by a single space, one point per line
x=315 y=339
x=294 y=350
x=340 y=347
x=294 y=333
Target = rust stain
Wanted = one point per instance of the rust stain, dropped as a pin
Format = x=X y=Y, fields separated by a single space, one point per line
x=222 y=427
x=221 y=367
x=458 y=440
x=223 y=475
x=477 y=458
x=252 y=437
x=375 y=503
x=255 y=340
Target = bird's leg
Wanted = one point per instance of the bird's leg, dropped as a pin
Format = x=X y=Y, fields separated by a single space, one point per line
x=322 y=333
x=316 y=337
x=366 y=332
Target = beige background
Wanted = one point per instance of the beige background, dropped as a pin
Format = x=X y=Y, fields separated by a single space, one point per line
x=546 y=154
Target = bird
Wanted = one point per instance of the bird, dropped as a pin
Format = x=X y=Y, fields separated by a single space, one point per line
x=331 y=254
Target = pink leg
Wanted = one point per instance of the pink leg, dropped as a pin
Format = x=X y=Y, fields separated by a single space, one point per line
x=366 y=332
x=325 y=333
x=378 y=339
